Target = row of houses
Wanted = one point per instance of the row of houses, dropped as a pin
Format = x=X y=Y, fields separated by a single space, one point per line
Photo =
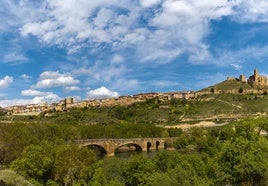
x=31 y=109
x=62 y=105
x=127 y=100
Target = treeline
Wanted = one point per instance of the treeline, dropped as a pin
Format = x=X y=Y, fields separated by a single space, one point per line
x=45 y=154
x=14 y=137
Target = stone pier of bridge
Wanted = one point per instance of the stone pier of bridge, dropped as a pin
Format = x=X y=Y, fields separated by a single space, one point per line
x=109 y=146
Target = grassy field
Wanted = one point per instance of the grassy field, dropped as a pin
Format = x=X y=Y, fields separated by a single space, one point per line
x=231 y=85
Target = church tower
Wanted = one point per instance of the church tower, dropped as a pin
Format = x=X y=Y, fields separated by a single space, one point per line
x=257 y=81
x=256 y=75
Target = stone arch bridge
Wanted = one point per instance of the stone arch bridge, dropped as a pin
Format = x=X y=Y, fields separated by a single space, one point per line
x=109 y=146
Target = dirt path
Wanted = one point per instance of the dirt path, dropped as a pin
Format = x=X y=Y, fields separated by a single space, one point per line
x=200 y=124
x=226 y=102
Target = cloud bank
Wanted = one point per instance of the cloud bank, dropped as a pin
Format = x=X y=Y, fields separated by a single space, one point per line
x=155 y=30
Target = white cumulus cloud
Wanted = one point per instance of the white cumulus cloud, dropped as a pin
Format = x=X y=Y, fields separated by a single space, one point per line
x=37 y=97
x=6 y=81
x=41 y=97
x=31 y=92
x=49 y=98
x=102 y=93
x=50 y=79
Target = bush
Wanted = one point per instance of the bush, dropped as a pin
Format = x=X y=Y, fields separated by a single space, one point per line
x=9 y=177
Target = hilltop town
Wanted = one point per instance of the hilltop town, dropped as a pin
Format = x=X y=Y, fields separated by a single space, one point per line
x=67 y=103
x=256 y=84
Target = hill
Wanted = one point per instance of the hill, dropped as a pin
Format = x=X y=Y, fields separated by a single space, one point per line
x=218 y=108
x=256 y=83
x=229 y=86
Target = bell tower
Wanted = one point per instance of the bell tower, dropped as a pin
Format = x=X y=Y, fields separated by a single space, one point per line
x=256 y=74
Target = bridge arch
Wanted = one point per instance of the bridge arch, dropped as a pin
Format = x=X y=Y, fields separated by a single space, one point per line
x=157 y=144
x=148 y=146
x=129 y=146
x=98 y=149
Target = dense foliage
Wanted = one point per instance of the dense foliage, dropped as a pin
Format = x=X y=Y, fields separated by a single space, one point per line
x=14 y=137
x=46 y=154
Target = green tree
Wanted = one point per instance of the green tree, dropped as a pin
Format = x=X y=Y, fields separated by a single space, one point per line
x=115 y=182
x=262 y=125
x=137 y=170
x=73 y=164
x=182 y=141
x=179 y=169
x=112 y=167
x=226 y=133
x=36 y=162
x=160 y=179
x=162 y=161
x=247 y=129
x=244 y=161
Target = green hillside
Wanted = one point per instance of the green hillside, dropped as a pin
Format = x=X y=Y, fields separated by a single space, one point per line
x=229 y=85
x=208 y=107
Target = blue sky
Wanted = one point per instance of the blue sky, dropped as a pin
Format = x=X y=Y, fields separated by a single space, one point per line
x=88 y=49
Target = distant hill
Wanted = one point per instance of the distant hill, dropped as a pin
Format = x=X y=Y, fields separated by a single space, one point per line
x=256 y=83
x=229 y=86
